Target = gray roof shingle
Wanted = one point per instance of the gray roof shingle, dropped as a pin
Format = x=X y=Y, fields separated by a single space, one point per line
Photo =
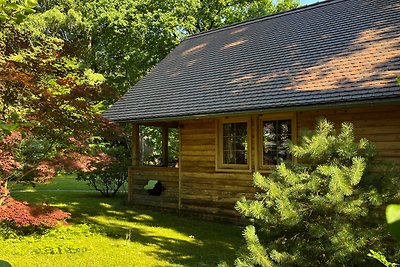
x=332 y=52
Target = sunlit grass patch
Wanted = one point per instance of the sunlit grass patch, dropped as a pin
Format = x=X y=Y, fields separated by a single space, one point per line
x=105 y=232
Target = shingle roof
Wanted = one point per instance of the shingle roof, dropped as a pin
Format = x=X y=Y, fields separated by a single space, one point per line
x=332 y=52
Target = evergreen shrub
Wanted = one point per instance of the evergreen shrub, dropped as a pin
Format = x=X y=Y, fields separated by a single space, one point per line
x=326 y=209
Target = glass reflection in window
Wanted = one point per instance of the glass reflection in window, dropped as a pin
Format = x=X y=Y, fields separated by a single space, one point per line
x=234 y=143
x=276 y=133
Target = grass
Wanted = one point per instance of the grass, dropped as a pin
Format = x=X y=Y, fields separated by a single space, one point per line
x=105 y=232
x=62 y=182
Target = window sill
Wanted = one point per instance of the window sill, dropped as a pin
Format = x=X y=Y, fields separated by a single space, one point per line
x=265 y=170
x=233 y=169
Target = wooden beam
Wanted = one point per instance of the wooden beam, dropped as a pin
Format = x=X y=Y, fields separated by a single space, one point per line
x=180 y=169
x=130 y=185
x=135 y=145
x=165 y=146
x=170 y=124
x=135 y=160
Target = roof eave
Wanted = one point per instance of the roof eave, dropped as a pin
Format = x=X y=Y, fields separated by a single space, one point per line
x=348 y=104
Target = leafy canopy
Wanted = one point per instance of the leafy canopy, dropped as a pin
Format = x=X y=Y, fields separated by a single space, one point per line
x=124 y=39
x=50 y=103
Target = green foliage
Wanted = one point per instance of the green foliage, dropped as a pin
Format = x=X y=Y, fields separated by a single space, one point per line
x=65 y=248
x=64 y=64
x=8 y=233
x=381 y=258
x=124 y=39
x=258 y=256
x=66 y=241
x=16 y=10
x=324 y=210
x=50 y=104
x=109 y=177
x=56 y=62
x=213 y=14
x=393 y=219
x=4 y=264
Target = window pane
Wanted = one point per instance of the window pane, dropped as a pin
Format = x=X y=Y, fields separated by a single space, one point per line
x=240 y=143
x=285 y=127
x=173 y=147
x=150 y=146
x=229 y=157
x=241 y=157
x=276 y=134
x=235 y=143
x=227 y=129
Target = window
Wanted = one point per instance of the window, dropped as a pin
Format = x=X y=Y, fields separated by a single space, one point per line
x=234 y=144
x=271 y=134
x=159 y=146
x=275 y=132
x=150 y=145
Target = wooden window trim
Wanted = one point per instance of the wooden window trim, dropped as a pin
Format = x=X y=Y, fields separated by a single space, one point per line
x=259 y=166
x=219 y=166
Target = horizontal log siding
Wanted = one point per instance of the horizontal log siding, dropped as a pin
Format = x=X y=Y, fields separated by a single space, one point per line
x=138 y=177
x=210 y=193
x=204 y=190
x=379 y=124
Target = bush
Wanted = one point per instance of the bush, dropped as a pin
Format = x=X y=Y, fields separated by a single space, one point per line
x=108 y=178
x=26 y=218
x=327 y=210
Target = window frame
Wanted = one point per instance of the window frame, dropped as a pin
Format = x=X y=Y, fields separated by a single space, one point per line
x=260 y=135
x=165 y=144
x=219 y=154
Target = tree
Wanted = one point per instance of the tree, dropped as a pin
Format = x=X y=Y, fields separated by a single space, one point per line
x=50 y=114
x=213 y=14
x=51 y=106
x=62 y=63
x=325 y=210
x=17 y=12
x=124 y=39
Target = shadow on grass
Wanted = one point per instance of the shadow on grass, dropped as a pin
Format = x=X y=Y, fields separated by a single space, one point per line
x=172 y=238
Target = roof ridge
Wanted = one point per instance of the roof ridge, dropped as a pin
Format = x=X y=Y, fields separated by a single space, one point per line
x=266 y=17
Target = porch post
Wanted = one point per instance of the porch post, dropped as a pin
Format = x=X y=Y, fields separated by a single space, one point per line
x=165 y=146
x=135 y=160
x=135 y=145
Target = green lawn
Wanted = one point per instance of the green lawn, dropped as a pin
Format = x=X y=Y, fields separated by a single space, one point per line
x=62 y=182
x=105 y=232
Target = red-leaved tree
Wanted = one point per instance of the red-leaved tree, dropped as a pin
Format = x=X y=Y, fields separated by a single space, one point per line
x=50 y=117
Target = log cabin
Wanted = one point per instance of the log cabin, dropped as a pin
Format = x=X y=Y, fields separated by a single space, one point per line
x=235 y=94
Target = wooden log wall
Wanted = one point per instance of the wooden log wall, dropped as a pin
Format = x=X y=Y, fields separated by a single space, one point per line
x=203 y=189
x=206 y=191
x=137 y=179
x=379 y=124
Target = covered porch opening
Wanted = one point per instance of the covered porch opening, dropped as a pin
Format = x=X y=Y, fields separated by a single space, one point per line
x=155 y=156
